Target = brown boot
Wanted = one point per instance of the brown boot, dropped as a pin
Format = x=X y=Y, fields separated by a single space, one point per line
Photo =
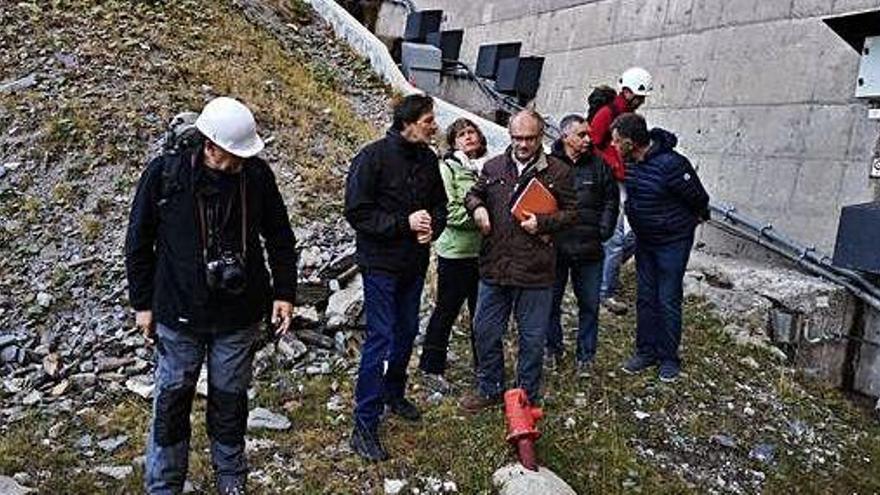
x=474 y=403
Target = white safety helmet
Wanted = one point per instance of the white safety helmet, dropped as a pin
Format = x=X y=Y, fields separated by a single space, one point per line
x=231 y=126
x=638 y=80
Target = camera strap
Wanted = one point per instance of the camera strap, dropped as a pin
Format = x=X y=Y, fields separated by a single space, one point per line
x=203 y=221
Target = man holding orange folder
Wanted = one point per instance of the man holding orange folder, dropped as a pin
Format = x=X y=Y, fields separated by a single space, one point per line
x=517 y=259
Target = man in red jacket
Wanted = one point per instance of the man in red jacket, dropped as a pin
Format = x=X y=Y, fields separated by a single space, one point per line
x=634 y=85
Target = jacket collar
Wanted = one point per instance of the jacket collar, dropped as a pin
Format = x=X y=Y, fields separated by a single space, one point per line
x=538 y=163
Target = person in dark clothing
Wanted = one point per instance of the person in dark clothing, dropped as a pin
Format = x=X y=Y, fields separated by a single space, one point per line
x=198 y=282
x=395 y=201
x=517 y=259
x=665 y=203
x=579 y=247
x=457 y=250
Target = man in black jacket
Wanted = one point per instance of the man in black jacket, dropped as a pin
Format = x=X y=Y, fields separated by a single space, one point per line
x=396 y=203
x=665 y=203
x=198 y=282
x=579 y=248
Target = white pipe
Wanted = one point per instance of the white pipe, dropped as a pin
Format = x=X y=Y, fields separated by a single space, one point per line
x=366 y=44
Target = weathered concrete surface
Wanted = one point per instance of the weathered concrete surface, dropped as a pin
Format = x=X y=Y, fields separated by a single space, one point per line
x=867 y=379
x=808 y=317
x=759 y=91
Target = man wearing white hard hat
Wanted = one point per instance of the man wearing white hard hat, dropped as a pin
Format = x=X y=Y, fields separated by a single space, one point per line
x=633 y=86
x=198 y=283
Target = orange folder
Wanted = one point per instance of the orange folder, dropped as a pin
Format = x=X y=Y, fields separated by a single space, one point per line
x=535 y=199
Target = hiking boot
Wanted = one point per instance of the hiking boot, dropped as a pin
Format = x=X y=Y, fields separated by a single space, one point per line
x=583 y=368
x=669 y=372
x=614 y=306
x=402 y=407
x=365 y=443
x=474 y=402
x=638 y=363
x=435 y=382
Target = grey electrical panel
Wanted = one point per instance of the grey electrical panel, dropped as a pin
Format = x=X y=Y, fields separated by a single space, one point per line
x=422 y=65
x=858 y=238
x=868 y=82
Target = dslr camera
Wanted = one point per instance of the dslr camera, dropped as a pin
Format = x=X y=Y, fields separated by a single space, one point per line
x=226 y=274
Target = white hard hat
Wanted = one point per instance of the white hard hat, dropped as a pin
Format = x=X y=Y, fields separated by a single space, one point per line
x=638 y=80
x=231 y=126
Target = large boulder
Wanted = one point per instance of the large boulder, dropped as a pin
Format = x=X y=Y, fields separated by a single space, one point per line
x=514 y=479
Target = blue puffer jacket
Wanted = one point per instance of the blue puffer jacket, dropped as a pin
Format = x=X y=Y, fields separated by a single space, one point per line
x=665 y=199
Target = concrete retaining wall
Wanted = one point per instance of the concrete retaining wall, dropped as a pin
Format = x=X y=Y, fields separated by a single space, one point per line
x=759 y=91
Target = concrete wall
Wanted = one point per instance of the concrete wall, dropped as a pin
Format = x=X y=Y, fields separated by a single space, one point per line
x=759 y=91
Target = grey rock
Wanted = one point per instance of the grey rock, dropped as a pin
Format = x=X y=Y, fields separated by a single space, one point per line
x=292 y=348
x=141 y=385
x=116 y=472
x=111 y=444
x=723 y=440
x=319 y=369
x=763 y=452
x=18 y=84
x=344 y=306
x=32 y=398
x=112 y=363
x=45 y=299
x=9 y=486
x=7 y=340
x=393 y=487
x=9 y=354
x=264 y=418
x=84 y=442
x=84 y=380
x=514 y=479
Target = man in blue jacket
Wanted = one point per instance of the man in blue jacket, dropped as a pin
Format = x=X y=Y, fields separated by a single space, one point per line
x=396 y=203
x=665 y=203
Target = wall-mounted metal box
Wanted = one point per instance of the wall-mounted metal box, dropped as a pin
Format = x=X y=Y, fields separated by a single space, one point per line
x=862 y=32
x=858 y=238
x=422 y=65
x=420 y=23
x=449 y=42
x=490 y=55
x=519 y=76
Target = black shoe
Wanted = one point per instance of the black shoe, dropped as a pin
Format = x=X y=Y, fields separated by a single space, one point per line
x=638 y=363
x=365 y=443
x=402 y=407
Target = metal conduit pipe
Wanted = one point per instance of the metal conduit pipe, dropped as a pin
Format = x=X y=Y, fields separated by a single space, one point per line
x=803 y=255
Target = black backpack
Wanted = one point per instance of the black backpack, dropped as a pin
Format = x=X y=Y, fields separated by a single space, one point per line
x=181 y=136
x=600 y=97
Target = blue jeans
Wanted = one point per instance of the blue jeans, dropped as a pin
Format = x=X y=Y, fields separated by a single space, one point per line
x=531 y=307
x=230 y=358
x=660 y=270
x=586 y=277
x=618 y=249
x=391 y=304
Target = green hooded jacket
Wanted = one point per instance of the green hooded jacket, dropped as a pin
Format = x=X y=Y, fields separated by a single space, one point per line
x=460 y=238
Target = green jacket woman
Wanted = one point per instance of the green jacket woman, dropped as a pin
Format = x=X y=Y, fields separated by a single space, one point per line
x=458 y=248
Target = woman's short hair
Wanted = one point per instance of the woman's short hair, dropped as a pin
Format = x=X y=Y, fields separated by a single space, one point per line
x=459 y=125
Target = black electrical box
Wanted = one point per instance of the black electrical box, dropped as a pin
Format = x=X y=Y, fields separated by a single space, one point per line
x=519 y=76
x=449 y=42
x=420 y=24
x=489 y=56
x=858 y=238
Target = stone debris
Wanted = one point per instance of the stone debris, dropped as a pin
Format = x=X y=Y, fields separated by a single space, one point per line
x=9 y=486
x=116 y=472
x=393 y=487
x=514 y=479
x=110 y=445
x=141 y=385
x=263 y=418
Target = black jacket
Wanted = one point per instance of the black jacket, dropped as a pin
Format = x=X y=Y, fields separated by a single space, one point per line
x=163 y=248
x=665 y=199
x=388 y=180
x=597 y=205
